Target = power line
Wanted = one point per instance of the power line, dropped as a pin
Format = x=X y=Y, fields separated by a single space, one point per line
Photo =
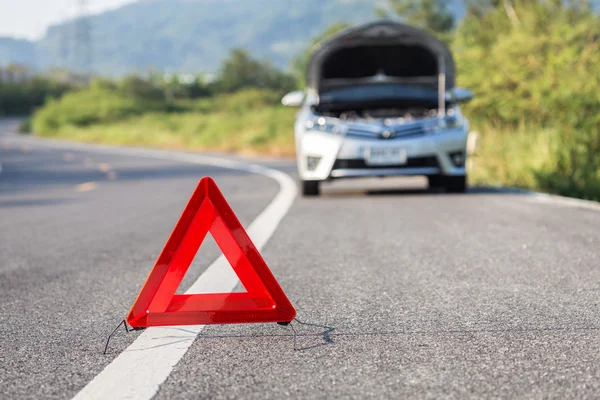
x=83 y=46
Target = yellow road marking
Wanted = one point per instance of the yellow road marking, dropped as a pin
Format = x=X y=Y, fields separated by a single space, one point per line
x=104 y=167
x=111 y=175
x=86 y=187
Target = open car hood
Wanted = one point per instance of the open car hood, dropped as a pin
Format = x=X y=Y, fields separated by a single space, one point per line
x=378 y=53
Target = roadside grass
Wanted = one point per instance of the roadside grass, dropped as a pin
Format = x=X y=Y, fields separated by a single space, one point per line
x=267 y=130
x=250 y=122
x=510 y=157
x=530 y=157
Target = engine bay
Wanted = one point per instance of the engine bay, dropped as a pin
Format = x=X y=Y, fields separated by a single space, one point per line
x=379 y=113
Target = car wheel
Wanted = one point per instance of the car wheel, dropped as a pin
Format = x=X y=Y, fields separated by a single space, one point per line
x=456 y=184
x=310 y=188
x=436 y=181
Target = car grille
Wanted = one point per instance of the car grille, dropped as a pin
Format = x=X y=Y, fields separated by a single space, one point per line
x=414 y=162
x=402 y=132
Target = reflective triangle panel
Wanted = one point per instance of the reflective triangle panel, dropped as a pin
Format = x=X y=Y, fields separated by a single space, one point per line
x=158 y=305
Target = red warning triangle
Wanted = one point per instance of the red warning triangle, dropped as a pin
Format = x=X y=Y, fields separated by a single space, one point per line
x=158 y=305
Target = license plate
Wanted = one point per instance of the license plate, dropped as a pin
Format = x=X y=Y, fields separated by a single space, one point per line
x=385 y=156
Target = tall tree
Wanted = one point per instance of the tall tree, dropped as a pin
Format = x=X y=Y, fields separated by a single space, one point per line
x=433 y=15
x=533 y=65
x=240 y=70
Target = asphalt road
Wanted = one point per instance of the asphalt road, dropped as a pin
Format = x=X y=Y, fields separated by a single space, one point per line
x=410 y=293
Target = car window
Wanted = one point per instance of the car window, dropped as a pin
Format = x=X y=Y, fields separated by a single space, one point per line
x=377 y=92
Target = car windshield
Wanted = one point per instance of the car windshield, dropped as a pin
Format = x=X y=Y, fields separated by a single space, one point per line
x=370 y=93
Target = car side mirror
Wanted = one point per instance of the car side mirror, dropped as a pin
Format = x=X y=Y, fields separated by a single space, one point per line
x=461 y=95
x=293 y=99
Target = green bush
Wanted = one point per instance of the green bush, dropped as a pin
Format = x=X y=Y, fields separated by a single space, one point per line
x=101 y=102
x=21 y=98
x=246 y=100
x=134 y=112
x=251 y=128
x=241 y=71
x=137 y=87
x=243 y=85
x=540 y=72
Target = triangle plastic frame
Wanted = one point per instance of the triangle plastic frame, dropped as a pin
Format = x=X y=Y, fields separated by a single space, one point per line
x=158 y=305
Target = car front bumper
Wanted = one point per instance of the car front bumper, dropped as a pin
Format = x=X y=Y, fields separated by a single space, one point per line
x=326 y=156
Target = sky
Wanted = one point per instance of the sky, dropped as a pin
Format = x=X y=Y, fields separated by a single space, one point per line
x=28 y=19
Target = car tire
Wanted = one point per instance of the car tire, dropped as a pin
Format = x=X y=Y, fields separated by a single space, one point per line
x=436 y=182
x=310 y=188
x=456 y=184
x=452 y=184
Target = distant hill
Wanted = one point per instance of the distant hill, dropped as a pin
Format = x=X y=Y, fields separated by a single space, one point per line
x=191 y=35
x=18 y=51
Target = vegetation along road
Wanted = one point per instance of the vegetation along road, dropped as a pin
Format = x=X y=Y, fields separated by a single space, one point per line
x=536 y=105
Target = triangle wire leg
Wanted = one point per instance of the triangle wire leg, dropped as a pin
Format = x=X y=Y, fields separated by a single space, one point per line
x=291 y=325
x=295 y=336
x=113 y=332
x=326 y=334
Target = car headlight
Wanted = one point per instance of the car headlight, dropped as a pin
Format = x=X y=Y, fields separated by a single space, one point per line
x=441 y=124
x=322 y=124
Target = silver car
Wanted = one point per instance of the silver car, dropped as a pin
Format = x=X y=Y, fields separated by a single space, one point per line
x=380 y=101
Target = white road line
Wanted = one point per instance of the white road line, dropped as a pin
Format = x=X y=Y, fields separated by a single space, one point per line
x=551 y=198
x=565 y=201
x=86 y=187
x=138 y=372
